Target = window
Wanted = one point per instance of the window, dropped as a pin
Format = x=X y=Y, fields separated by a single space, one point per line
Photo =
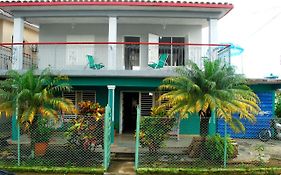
x=78 y=96
x=176 y=52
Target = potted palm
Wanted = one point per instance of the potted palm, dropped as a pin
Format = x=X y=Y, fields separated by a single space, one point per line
x=40 y=136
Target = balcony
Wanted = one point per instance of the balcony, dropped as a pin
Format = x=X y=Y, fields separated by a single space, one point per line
x=130 y=58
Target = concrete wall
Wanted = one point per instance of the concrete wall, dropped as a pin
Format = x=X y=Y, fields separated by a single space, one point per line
x=56 y=55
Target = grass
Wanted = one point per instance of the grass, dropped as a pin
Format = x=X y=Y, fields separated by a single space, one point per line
x=206 y=171
x=52 y=170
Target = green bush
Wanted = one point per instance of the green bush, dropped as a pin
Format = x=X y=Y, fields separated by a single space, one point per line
x=154 y=131
x=278 y=105
x=214 y=148
x=39 y=130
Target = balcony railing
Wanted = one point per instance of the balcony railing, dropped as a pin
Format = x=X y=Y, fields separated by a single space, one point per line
x=129 y=55
x=6 y=57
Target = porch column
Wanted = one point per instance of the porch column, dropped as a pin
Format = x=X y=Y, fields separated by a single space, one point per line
x=112 y=37
x=17 y=62
x=111 y=95
x=213 y=37
x=212 y=124
x=213 y=31
x=143 y=53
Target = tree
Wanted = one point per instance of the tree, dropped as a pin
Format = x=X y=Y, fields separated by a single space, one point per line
x=214 y=88
x=29 y=96
x=278 y=104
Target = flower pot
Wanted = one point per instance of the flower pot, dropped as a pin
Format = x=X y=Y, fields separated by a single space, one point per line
x=40 y=148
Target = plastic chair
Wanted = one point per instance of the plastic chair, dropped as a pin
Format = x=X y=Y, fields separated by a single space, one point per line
x=92 y=63
x=162 y=61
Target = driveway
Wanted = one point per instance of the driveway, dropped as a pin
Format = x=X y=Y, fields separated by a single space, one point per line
x=248 y=150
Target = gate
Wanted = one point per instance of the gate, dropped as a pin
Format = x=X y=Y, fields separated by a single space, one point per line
x=107 y=137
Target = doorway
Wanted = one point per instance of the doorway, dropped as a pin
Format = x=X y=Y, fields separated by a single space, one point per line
x=130 y=102
x=132 y=53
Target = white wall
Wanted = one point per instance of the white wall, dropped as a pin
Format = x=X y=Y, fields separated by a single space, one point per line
x=55 y=55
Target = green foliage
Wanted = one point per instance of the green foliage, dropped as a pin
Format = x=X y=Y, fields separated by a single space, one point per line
x=154 y=131
x=52 y=170
x=260 y=149
x=214 y=88
x=209 y=171
x=86 y=132
x=214 y=147
x=278 y=105
x=40 y=132
x=29 y=95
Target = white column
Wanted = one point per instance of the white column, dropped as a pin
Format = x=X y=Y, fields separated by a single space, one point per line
x=213 y=31
x=17 y=60
x=213 y=38
x=143 y=53
x=112 y=37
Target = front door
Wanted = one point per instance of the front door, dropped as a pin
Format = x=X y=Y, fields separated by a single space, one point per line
x=130 y=102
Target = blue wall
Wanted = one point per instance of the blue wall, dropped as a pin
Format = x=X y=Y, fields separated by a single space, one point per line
x=267 y=97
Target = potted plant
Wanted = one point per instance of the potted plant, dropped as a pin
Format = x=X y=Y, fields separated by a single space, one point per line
x=86 y=132
x=40 y=135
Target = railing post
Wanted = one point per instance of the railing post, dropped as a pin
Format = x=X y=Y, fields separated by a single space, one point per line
x=137 y=138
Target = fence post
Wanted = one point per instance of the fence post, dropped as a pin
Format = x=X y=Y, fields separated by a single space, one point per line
x=225 y=146
x=18 y=131
x=107 y=137
x=137 y=138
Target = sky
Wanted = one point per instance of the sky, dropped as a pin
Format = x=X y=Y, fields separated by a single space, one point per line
x=255 y=25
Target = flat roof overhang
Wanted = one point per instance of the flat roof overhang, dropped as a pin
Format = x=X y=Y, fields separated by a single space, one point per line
x=33 y=11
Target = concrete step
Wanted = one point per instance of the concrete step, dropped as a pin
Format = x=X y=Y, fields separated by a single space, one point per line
x=121 y=168
x=123 y=156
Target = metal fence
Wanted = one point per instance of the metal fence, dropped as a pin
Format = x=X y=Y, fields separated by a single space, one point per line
x=158 y=146
x=80 y=142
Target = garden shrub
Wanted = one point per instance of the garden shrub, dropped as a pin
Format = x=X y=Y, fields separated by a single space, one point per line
x=154 y=129
x=214 y=148
x=86 y=132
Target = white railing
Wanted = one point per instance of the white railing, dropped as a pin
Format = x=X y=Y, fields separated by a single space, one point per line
x=130 y=55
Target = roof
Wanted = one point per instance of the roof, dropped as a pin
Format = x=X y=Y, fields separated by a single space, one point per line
x=129 y=11
x=116 y=2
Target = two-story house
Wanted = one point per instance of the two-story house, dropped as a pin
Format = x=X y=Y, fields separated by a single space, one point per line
x=125 y=36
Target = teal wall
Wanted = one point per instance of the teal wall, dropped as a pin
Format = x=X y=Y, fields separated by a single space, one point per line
x=118 y=81
x=190 y=125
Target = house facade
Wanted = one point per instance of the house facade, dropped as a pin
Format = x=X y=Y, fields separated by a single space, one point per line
x=124 y=36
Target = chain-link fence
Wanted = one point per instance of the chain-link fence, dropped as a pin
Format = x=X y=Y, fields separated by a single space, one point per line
x=161 y=146
x=73 y=141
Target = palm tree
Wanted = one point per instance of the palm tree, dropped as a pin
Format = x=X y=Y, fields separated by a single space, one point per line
x=29 y=97
x=214 y=88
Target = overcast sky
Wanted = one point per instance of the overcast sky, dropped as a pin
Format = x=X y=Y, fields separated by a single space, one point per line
x=255 y=25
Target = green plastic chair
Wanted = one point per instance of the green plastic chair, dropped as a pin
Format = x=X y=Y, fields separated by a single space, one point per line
x=92 y=63
x=162 y=61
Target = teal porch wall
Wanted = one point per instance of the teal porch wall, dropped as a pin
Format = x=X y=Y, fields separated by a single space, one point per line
x=122 y=84
x=190 y=125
